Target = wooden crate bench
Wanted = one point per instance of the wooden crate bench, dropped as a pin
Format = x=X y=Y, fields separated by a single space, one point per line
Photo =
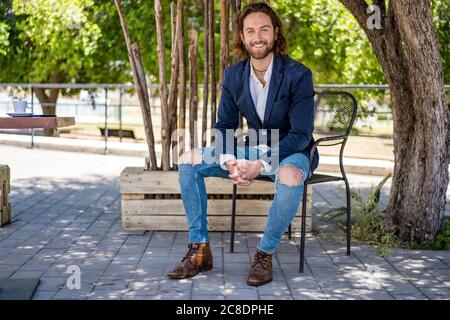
x=5 y=206
x=151 y=200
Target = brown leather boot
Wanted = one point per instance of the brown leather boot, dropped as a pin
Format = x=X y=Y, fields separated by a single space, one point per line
x=261 y=269
x=197 y=259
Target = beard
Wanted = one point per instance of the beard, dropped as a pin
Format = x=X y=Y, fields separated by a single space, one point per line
x=258 y=53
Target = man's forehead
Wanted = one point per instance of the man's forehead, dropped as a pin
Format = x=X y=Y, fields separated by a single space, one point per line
x=257 y=20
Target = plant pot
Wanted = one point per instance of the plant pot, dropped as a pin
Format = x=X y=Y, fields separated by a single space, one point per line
x=151 y=200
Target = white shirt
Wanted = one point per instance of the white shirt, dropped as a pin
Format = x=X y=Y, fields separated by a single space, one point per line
x=259 y=94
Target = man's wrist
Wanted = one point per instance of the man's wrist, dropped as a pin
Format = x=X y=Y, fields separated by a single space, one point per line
x=261 y=166
x=265 y=167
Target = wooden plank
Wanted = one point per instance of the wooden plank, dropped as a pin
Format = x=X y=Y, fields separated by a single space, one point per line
x=36 y=122
x=5 y=206
x=133 y=196
x=215 y=223
x=217 y=207
x=136 y=180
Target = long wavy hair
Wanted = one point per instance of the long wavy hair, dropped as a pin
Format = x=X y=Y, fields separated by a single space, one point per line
x=280 y=47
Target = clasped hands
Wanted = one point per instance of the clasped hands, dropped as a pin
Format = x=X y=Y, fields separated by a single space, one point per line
x=243 y=172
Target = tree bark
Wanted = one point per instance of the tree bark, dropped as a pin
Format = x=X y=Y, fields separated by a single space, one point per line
x=48 y=101
x=165 y=121
x=193 y=97
x=212 y=67
x=407 y=49
x=182 y=71
x=205 y=72
x=140 y=83
x=224 y=25
x=172 y=104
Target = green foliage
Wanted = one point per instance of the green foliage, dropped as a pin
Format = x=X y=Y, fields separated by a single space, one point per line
x=439 y=242
x=51 y=37
x=324 y=35
x=82 y=39
x=4 y=42
x=441 y=18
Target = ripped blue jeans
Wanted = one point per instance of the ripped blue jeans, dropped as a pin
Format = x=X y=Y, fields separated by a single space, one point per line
x=282 y=211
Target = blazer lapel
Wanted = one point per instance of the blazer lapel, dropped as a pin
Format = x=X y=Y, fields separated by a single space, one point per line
x=248 y=96
x=275 y=81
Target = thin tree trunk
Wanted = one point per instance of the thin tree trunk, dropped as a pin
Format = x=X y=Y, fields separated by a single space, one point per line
x=224 y=25
x=182 y=67
x=145 y=103
x=140 y=83
x=407 y=50
x=212 y=67
x=173 y=77
x=193 y=98
x=205 y=72
x=48 y=102
x=165 y=120
x=234 y=14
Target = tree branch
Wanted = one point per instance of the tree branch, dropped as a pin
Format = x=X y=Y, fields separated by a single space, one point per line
x=358 y=8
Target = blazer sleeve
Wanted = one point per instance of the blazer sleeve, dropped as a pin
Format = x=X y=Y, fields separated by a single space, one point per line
x=301 y=118
x=227 y=120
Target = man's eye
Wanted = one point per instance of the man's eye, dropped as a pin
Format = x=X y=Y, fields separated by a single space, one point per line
x=249 y=31
x=265 y=30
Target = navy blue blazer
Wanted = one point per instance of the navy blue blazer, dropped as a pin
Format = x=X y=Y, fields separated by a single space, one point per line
x=289 y=108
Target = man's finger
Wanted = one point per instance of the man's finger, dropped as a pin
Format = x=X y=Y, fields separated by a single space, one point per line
x=235 y=175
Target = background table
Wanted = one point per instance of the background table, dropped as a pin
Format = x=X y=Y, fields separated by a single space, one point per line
x=35 y=122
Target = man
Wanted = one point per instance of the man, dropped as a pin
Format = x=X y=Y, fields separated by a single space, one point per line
x=275 y=94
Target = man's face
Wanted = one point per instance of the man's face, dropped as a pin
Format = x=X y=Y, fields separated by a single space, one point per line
x=258 y=35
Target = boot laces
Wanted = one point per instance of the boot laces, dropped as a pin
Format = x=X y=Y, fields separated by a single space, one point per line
x=260 y=259
x=192 y=250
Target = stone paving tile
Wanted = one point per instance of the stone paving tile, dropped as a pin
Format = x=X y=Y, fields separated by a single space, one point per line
x=207 y=297
x=417 y=296
x=308 y=294
x=81 y=226
x=43 y=295
x=241 y=294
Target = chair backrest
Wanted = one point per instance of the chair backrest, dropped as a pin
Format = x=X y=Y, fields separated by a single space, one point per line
x=335 y=113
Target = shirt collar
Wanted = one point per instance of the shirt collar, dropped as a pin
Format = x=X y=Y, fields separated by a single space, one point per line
x=267 y=75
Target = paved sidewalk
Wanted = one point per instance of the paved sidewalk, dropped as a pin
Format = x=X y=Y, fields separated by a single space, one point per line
x=66 y=208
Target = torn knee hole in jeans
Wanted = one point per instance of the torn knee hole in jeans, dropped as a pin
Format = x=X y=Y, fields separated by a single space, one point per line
x=192 y=157
x=292 y=178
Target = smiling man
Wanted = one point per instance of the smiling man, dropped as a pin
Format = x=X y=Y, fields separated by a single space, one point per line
x=275 y=95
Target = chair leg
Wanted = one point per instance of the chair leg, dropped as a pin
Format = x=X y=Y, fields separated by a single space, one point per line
x=303 y=230
x=233 y=217
x=349 y=217
x=290 y=232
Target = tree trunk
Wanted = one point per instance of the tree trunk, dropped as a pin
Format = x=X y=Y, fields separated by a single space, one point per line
x=48 y=102
x=193 y=86
x=224 y=25
x=165 y=120
x=140 y=83
x=173 y=91
x=407 y=49
x=205 y=72
x=182 y=74
x=212 y=67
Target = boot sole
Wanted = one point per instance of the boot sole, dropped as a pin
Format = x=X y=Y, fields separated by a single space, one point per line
x=255 y=284
x=182 y=276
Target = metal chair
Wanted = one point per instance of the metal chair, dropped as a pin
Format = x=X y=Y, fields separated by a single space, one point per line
x=335 y=113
